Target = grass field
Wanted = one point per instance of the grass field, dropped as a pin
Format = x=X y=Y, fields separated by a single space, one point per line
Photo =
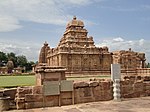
x=29 y=80
x=13 y=81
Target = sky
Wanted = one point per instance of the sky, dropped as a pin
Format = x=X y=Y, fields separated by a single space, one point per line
x=119 y=24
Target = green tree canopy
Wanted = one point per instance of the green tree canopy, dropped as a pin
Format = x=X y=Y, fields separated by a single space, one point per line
x=3 y=58
x=29 y=66
x=21 y=61
x=148 y=65
x=15 y=61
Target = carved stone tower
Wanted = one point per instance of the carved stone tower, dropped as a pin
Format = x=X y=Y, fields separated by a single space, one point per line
x=43 y=53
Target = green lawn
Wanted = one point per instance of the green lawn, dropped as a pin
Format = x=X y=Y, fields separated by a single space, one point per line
x=12 y=81
x=29 y=80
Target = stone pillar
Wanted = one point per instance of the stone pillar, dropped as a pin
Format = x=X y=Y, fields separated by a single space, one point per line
x=116 y=77
x=116 y=90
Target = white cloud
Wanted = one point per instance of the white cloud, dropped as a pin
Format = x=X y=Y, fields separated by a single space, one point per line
x=30 y=50
x=40 y=11
x=119 y=43
x=8 y=23
x=119 y=39
x=141 y=42
x=78 y=2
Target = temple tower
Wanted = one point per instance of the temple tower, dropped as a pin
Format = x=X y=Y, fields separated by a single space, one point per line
x=43 y=53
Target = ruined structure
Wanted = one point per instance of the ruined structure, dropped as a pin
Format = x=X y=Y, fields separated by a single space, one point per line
x=78 y=53
x=129 y=60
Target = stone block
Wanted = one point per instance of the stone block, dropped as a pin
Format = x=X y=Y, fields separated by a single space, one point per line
x=147 y=93
x=37 y=90
x=29 y=105
x=97 y=91
x=20 y=99
x=87 y=92
x=11 y=93
x=24 y=90
x=126 y=89
x=129 y=95
x=146 y=78
x=12 y=104
x=105 y=85
x=20 y=105
x=54 y=102
x=147 y=85
x=66 y=101
x=93 y=83
x=4 y=104
x=138 y=87
x=125 y=82
x=81 y=84
x=1 y=93
x=33 y=97
x=66 y=94
x=134 y=95
x=54 y=98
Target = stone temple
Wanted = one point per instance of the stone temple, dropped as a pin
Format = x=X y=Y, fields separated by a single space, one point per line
x=78 y=53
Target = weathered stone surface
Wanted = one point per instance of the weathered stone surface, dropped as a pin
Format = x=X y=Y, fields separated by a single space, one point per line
x=147 y=88
x=37 y=90
x=20 y=99
x=135 y=60
x=4 y=103
x=66 y=101
x=20 y=105
x=29 y=105
x=49 y=73
x=1 y=93
x=67 y=94
x=24 y=90
x=33 y=97
x=54 y=98
x=66 y=98
x=105 y=85
x=83 y=92
x=93 y=83
x=146 y=78
x=11 y=93
x=138 y=86
x=81 y=84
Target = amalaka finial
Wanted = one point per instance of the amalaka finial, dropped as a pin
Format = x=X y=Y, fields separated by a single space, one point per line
x=45 y=43
x=74 y=18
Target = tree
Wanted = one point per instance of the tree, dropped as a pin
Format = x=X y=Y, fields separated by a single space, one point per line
x=29 y=66
x=3 y=58
x=21 y=61
x=14 y=61
x=148 y=65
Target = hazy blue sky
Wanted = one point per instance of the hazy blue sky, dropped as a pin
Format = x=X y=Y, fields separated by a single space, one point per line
x=118 y=24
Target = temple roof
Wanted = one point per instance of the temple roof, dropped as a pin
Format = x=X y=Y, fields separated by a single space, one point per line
x=75 y=22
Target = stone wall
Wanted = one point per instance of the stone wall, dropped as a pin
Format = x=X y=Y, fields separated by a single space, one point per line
x=90 y=91
x=11 y=94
